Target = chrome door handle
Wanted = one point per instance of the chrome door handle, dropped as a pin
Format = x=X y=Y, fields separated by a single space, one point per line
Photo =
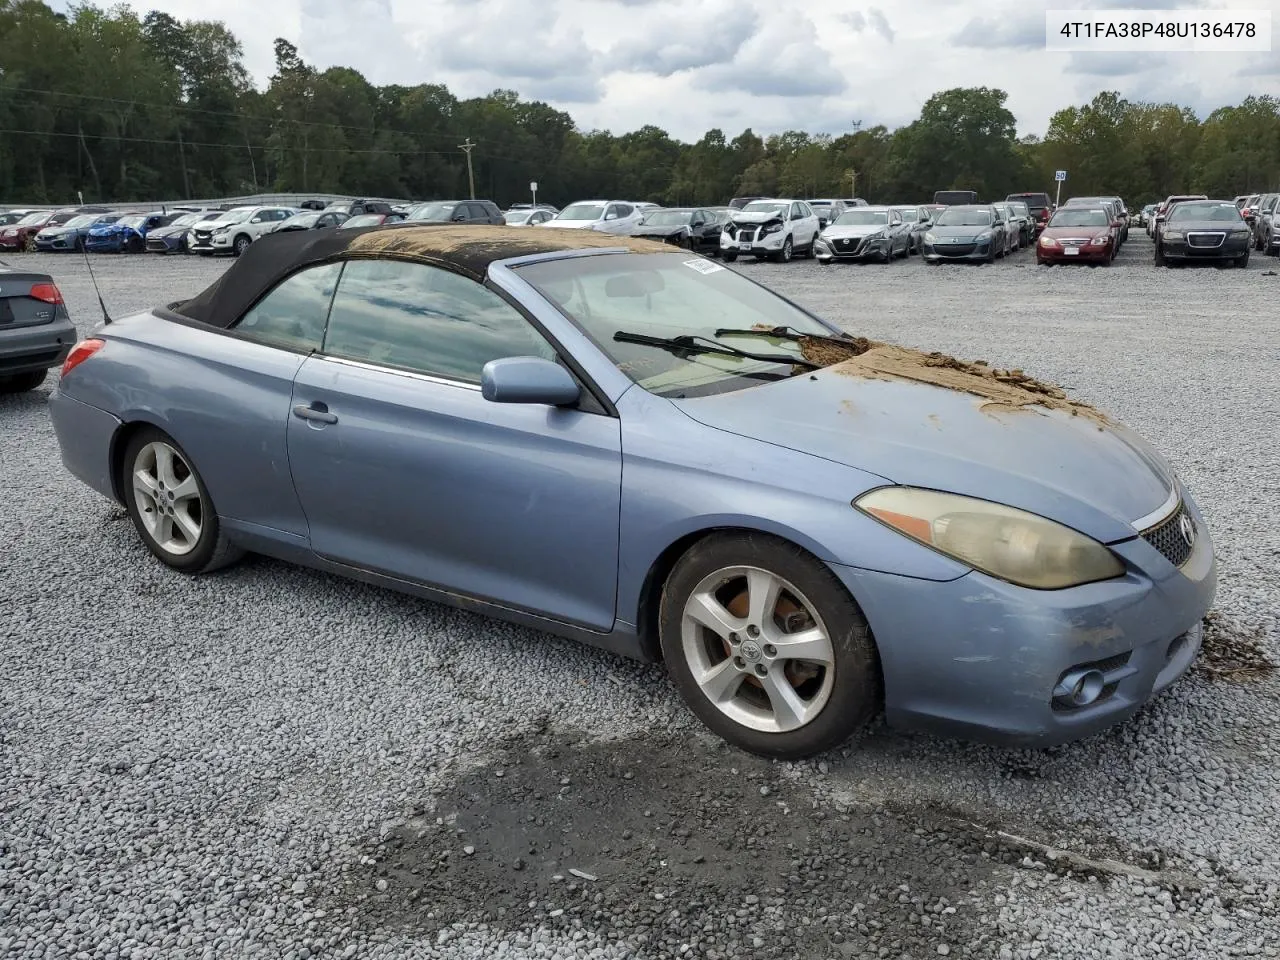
x=305 y=412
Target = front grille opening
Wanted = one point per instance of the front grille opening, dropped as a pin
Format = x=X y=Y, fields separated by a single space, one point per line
x=1168 y=538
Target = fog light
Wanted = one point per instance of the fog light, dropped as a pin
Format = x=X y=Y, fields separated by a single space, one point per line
x=1079 y=688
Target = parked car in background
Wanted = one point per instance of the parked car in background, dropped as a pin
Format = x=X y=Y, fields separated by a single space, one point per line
x=528 y=217
x=312 y=205
x=1248 y=208
x=933 y=209
x=1012 y=227
x=457 y=211
x=770 y=229
x=1263 y=214
x=827 y=210
x=233 y=231
x=605 y=216
x=967 y=231
x=22 y=235
x=125 y=234
x=552 y=208
x=1162 y=210
x=659 y=467
x=1145 y=215
x=1078 y=233
x=1119 y=213
x=10 y=217
x=71 y=236
x=36 y=331
x=1026 y=222
x=917 y=221
x=737 y=203
x=369 y=220
x=855 y=202
x=1203 y=230
x=865 y=233
x=353 y=208
x=172 y=237
x=311 y=220
x=953 y=197
x=1040 y=204
x=693 y=228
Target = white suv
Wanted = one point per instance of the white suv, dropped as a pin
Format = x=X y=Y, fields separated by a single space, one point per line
x=776 y=229
x=607 y=216
x=233 y=230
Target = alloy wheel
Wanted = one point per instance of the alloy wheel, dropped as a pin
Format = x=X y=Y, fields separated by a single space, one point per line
x=757 y=649
x=168 y=498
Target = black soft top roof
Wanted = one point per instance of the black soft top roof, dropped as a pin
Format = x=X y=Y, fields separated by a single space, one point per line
x=464 y=249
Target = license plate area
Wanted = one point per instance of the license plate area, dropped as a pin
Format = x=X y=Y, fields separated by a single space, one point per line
x=1071 y=251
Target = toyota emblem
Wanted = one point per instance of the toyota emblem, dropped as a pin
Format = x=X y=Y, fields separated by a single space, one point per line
x=1188 y=529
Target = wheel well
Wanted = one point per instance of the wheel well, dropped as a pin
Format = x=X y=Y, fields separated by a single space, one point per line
x=119 y=443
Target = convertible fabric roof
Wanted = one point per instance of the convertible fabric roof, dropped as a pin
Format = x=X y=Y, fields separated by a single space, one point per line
x=464 y=249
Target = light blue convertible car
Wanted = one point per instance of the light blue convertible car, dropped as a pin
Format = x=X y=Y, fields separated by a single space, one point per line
x=639 y=448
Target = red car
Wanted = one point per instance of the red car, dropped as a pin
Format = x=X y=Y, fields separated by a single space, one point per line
x=22 y=235
x=1078 y=233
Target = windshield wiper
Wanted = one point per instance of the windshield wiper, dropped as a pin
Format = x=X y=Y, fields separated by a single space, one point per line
x=786 y=333
x=690 y=343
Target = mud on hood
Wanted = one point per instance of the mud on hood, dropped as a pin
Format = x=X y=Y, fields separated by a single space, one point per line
x=932 y=421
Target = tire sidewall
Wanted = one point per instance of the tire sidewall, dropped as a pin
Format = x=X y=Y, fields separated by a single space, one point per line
x=855 y=696
x=197 y=559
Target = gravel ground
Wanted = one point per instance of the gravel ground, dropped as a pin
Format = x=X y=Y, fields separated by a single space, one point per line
x=274 y=762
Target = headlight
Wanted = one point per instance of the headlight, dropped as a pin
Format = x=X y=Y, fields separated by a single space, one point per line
x=772 y=228
x=930 y=238
x=1101 y=238
x=982 y=237
x=1173 y=234
x=1046 y=241
x=1008 y=543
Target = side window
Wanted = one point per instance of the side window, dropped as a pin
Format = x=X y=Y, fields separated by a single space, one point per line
x=624 y=210
x=292 y=315
x=426 y=320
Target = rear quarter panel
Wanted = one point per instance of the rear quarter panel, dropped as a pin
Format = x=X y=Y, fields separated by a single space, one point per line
x=225 y=401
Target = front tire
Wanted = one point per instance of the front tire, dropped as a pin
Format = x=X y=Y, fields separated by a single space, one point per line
x=1159 y=257
x=728 y=256
x=170 y=507
x=241 y=244
x=784 y=255
x=1242 y=261
x=767 y=646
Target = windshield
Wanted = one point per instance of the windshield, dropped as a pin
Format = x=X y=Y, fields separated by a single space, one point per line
x=909 y=214
x=81 y=221
x=433 y=211
x=669 y=295
x=762 y=206
x=1076 y=217
x=136 y=221
x=517 y=216
x=188 y=220
x=1021 y=209
x=232 y=216
x=582 y=211
x=861 y=218
x=364 y=220
x=33 y=218
x=302 y=220
x=960 y=217
x=1218 y=212
x=668 y=218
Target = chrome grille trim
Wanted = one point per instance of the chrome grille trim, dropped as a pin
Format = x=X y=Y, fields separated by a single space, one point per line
x=1166 y=537
x=1160 y=513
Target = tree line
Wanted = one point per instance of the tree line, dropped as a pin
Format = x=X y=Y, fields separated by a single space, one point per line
x=123 y=108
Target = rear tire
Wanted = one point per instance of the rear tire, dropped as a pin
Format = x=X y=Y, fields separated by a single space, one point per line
x=728 y=257
x=768 y=704
x=22 y=382
x=170 y=507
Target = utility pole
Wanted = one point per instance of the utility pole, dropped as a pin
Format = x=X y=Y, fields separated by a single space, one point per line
x=471 y=177
x=853 y=186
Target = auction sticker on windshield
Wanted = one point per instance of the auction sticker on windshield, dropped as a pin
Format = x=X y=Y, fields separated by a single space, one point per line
x=703 y=266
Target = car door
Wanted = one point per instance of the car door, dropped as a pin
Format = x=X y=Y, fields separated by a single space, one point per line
x=403 y=467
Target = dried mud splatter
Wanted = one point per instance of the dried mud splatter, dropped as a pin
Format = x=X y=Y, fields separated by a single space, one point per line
x=1232 y=652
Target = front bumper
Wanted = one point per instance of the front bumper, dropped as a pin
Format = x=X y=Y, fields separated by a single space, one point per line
x=939 y=252
x=979 y=658
x=27 y=349
x=112 y=244
x=1086 y=253
x=16 y=242
x=756 y=244
x=165 y=244
x=851 y=248
x=218 y=243
x=1231 y=248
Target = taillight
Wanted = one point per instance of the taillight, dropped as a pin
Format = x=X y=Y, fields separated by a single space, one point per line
x=47 y=292
x=81 y=352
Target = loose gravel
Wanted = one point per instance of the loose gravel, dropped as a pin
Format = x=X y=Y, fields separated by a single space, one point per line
x=273 y=762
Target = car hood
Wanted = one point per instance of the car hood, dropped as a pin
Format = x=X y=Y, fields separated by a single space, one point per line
x=852 y=230
x=1095 y=478
x=167 y=231
x=571 y=224
x=1209 y=226
x=644 y=230
x=209 y=225
x=55 y=231
x=960 y=233
x=108 y=229
x=1089 y=231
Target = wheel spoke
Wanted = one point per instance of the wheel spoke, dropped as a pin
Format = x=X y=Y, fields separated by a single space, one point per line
x=185 y=489
x=144 y=484
x=705 y=609
x=763 y=590
x=164 y=465
x=721 y=682
x=189 y=529
x=163 y=531
x=789 y=710
x=812 y=645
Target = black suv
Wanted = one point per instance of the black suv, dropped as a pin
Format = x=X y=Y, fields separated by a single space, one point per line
x=457 y=211
x=353 y=208
x=1039 y=204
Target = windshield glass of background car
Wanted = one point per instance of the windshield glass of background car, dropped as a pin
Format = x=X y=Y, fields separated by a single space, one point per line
x=32 y=218
x=1079 y=218
x=187 y=220
x=364 y=220
x=668 y=218
x=433 y=211
x=1225 y=212
x=955 y=217
x=81 y=221
x=233 y=216
x=132 y=221
x=861 y=218
x=582 y=211
x=669 y=295
x=518 y=216
x=757 y=206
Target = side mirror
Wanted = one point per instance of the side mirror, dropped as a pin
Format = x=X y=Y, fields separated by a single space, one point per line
x=460 y=218
x=528 y=380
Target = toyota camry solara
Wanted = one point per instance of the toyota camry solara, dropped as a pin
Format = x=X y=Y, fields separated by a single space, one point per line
x=644 y=450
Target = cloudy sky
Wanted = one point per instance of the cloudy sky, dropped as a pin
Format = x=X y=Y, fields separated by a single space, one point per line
x=688 y=65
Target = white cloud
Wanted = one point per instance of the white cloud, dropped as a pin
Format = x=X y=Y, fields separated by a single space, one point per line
x=619 y=64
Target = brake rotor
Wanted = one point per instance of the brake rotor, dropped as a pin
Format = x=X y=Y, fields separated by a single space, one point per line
x=794 y=618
